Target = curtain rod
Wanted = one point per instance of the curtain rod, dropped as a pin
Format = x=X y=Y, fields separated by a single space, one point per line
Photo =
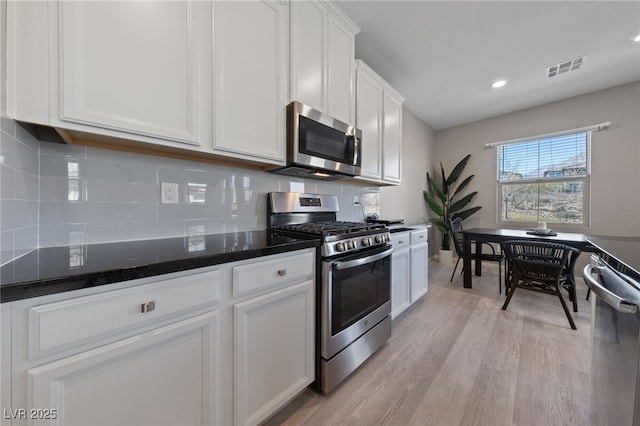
x=592 y=128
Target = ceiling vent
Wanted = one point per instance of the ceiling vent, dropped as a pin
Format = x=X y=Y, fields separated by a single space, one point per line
x=565 y=67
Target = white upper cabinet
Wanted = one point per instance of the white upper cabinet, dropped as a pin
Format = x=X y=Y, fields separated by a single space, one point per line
x=212 y=78
x=391 y=137
x=369 y=120
x=322 y=58
x=250 y=66
x=308 y=20
x=125 y=69
x=379 y=116
x=341 y=71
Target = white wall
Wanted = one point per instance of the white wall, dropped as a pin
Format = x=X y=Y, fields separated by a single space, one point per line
x=615 y=179
x=418 y=148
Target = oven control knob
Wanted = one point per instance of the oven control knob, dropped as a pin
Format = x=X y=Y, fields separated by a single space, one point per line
x=351 y=245
x=366 y=242
x=379 y=239
x=340 y=247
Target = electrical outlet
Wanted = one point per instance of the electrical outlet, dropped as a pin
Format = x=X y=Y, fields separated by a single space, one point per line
x=169 y=193
x=356 y=200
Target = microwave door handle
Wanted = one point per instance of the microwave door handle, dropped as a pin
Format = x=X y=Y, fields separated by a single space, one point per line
x=355 y=142
x=356 y=149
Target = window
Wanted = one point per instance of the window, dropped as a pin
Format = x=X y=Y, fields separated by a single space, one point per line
x=545 y=179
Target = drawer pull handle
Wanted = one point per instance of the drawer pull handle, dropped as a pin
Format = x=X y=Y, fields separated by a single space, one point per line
x=401 y=242
x=147 y=307
x=282 y=272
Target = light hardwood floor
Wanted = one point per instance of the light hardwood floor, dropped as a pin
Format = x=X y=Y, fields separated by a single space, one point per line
x=455 y=358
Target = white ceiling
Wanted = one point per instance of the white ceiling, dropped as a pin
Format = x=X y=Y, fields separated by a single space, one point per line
x=444 y=55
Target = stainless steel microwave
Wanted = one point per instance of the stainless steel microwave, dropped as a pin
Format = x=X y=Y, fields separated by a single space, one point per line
x=320 y=146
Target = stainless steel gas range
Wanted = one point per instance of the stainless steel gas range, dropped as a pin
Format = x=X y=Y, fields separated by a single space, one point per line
x=354 y=280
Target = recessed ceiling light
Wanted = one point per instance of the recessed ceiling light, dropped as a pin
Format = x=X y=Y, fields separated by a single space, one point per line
x=498 y=84
x=637 y=38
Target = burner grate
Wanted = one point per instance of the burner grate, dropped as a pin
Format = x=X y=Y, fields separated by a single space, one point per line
x=332 y=228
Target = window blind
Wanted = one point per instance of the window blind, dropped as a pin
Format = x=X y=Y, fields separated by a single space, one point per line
x=544 y=158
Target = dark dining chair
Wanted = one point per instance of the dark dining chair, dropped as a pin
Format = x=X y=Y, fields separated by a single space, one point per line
x=568 y=280
x=455 y=225
x=541 y=266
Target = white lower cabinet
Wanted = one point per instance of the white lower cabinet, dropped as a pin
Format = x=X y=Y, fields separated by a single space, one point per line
x=227 y=344
x=164 y=376
x=410 y=263
x=419 y=264
x=5 y=360
x=273 y=333
x=400 y=273
x=274 y=350
x=137 y=352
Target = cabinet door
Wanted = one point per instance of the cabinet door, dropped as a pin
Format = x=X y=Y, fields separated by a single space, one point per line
x=308 y=77
x=392 y=139
x=400 y=284
x=274 y=350
x=368 y=119
x=419 y=271
x=165 y=376
x=340 y=71
x=132 y=66
x=251 y=79
x=27 y=61
x=6 y=343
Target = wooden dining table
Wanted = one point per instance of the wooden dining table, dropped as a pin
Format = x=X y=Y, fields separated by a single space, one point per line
x=491 y=235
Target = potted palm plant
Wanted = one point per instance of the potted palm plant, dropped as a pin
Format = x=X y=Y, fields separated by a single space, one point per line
x=446 y=201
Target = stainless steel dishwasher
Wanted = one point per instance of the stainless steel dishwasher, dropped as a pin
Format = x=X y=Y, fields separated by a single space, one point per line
x=615 y=317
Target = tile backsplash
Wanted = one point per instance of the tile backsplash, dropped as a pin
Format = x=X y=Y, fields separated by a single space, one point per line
x=19 y=191
x=54 y=194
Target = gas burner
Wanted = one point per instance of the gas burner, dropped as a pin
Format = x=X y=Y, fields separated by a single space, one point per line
x=288 y=215
x=332 y=228
x=340 y=237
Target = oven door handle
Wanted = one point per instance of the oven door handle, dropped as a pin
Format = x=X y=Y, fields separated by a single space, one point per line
x=359 y=262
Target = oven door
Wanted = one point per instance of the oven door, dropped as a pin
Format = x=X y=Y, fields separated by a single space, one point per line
x=615 y=320
x=356 y=296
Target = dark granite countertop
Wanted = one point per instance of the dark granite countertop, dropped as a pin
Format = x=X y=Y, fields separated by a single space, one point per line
x=58 y=269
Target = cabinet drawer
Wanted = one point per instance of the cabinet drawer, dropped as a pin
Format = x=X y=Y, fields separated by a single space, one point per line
x=400 y=240
x=61 y=324
x=418 y=236
x=270 y=273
